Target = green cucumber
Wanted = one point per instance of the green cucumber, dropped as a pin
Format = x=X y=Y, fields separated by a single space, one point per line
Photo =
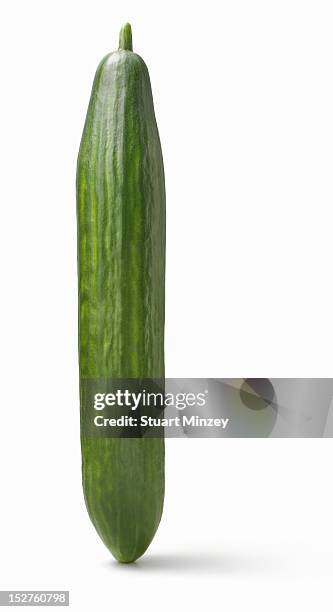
x=121 y=276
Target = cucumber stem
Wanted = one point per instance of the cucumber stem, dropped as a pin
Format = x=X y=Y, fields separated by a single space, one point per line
x=125 y=38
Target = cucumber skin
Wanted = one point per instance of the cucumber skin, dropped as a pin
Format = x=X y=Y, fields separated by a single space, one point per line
x=121 y=274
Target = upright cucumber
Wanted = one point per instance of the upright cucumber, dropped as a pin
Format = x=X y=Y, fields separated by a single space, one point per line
x=121 y=274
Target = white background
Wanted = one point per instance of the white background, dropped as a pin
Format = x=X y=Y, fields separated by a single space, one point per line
x=244 y=101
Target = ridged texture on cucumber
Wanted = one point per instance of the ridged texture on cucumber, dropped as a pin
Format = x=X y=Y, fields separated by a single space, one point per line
x=121 y=268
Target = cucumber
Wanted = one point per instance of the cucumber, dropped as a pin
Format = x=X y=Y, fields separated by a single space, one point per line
x=121 y=278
